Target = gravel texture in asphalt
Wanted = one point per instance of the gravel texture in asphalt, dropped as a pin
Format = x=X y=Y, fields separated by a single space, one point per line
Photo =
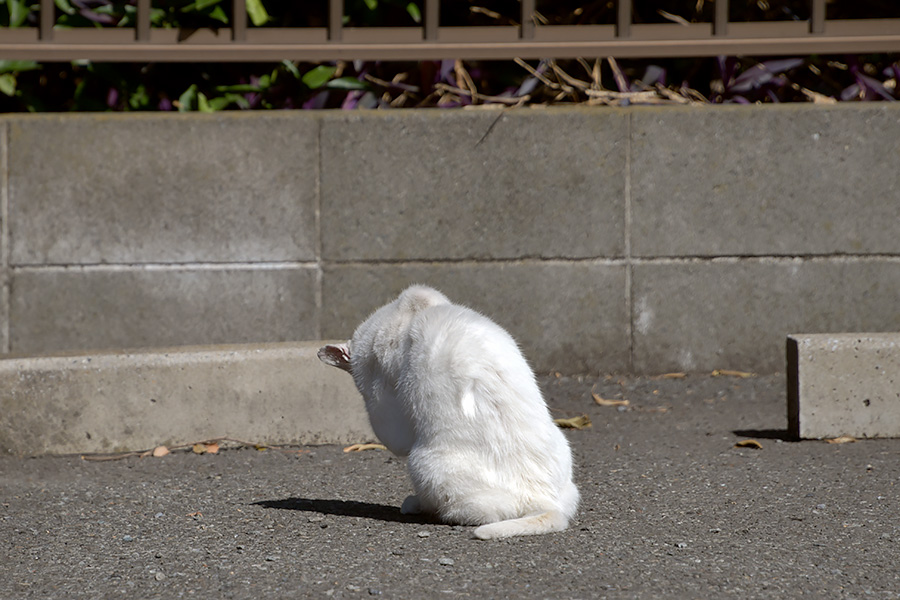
x=670 y=508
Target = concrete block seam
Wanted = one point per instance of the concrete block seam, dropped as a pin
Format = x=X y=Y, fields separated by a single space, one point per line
x=171 y=267
x=624 y=260
x=629 y=279
x=4 y=237
x=317 y=216
x=524 y=260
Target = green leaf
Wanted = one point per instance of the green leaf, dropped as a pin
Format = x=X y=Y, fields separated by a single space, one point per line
x=217 y=104
x=318 y=76
x=413 y=11
x=223 y=102
x=139 y=99
x=8 y=84
x=257 y=12
x=18 y=66
x=219 y=14
x=18 y=12
x=371 y=4
x=203 y=104
x=65 y=7
x=238 y=99
x=199 y=5
x=157 y=17
x=186 y=100
x=346 y=83
x=291 y=68
x=240 y=88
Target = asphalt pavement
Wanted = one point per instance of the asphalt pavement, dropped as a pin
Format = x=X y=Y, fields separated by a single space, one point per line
x=670 y=508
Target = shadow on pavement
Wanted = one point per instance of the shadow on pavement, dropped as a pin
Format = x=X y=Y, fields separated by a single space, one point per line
x=346 y=508
x=767 y=434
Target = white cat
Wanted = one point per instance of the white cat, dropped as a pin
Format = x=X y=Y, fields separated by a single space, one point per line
x=450 y=389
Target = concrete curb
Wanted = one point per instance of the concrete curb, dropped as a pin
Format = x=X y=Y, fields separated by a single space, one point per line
x=844 y=384
x=134 y=400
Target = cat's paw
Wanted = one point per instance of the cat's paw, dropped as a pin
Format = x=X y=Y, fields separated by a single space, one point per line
x=411 y=506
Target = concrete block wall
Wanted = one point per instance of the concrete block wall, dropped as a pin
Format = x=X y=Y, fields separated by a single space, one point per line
x=606 y=240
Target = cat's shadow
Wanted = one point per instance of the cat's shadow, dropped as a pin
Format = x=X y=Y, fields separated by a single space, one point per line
x=347 y=508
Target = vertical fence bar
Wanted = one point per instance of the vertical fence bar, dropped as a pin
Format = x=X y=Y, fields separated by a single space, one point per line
x=239 y=20
x=48 y=18
x=526 y=29
x=142 y=27
x=623 y=19
x=335 y=20
x=720 y=25
x=817 y=17
x=432 y=19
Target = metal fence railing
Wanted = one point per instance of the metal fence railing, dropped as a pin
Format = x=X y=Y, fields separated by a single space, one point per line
x=431 y=40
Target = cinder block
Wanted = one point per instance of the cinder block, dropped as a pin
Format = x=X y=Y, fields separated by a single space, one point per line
x=162 y=188
x=844 y=384
x=71 y=309
x=765 y=180
x=457 y=185
x=272 y=394
x=701 y=315
x=570 y=317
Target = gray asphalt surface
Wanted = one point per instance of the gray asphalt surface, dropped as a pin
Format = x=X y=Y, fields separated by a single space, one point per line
x=670 y=509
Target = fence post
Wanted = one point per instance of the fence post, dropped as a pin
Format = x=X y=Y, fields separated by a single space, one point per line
x=239 y=20
x=720 y=25
x=432 y=19
x=526 y=29
x=142 y=27
x=623 y=19
x=817 y=17
x=335 y=20
x=48 y=19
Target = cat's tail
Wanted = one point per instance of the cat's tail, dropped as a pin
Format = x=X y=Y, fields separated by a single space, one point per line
x=546 y=522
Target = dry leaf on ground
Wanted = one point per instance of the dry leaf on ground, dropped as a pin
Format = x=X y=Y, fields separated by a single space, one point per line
x=749 y=444
x=204 y=448
x=844 y=439
x=160 y=451
x=605 y=402
x=361 y=447
x=730 y=373
x=581 y=422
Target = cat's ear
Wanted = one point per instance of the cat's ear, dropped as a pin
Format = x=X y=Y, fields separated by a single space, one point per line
x=336 y=355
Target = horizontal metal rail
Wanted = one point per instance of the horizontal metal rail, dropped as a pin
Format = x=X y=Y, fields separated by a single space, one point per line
x=623 y=39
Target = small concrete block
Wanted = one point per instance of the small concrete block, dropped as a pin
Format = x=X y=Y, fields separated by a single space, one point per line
x=566 y=317
x=457 y=185
x=142 y=188
x=127 y=401
x=844 y=384
x=74 y=309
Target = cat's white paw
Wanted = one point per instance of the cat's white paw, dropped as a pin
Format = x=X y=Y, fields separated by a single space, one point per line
x=411 y=506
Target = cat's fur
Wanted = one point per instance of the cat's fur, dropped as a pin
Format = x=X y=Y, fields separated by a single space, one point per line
x=450 y=389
